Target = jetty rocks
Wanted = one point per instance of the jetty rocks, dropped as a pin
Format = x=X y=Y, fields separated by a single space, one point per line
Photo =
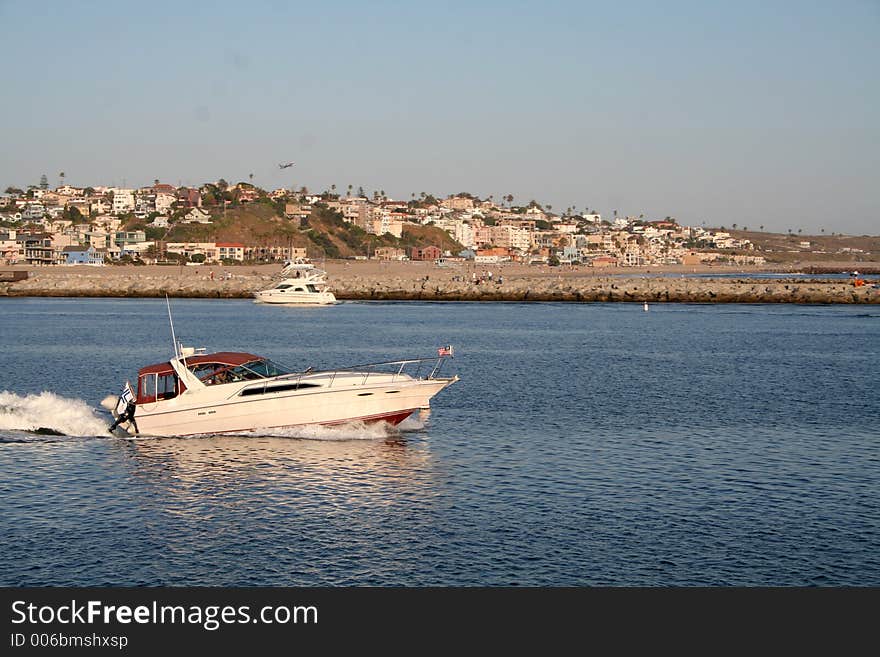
x=349 y=281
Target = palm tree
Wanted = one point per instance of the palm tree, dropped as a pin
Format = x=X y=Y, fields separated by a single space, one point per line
x=761 y=227
x=61 y=177
x=251 y=176
x=349 y=190
x=155 y=181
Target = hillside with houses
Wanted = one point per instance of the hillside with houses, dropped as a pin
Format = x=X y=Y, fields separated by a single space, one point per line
x=243 y=223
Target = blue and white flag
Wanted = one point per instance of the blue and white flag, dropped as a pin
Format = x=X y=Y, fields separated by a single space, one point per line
x=126 y=396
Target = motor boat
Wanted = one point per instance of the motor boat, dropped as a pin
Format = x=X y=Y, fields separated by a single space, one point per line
x=196 y=393
x=301 y=283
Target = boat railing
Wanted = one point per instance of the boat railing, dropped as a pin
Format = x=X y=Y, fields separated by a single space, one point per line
x=417 y=368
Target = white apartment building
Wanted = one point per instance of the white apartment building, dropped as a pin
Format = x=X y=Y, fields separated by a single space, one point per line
x=511 y=237
x=385 y=224
x=464 y=234
x=123 y=201
x=164 y=202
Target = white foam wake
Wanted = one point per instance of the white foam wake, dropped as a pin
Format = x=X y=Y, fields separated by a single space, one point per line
x=71 y=417
x=415 y=422
x=347 y=431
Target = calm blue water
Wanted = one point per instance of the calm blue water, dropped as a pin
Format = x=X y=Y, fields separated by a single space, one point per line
x=592 y=444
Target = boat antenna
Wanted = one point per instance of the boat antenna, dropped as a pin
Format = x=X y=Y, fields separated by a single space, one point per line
x=171 y=321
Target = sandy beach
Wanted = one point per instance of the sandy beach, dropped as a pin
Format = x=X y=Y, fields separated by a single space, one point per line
x=390 y=280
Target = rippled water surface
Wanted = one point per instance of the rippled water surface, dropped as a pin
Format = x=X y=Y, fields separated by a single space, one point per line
x=590 y=444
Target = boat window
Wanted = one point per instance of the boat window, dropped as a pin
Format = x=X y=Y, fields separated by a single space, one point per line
x=166 y=386
x=283 y=286
x=211 y=373
x=262 y=368
x=203 y=370
x=277 y=388
x=153 y=387
x=147 y=388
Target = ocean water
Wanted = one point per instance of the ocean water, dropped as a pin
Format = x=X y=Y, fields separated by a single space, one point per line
x=585 y=445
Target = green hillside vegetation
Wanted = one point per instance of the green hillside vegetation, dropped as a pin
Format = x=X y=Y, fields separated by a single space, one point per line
x=324 y=234
x=336 y=238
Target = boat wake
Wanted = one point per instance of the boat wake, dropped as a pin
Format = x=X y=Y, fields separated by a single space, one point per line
x=415 y=422
x=355 y=430
x=49 y=414
x=347 y=431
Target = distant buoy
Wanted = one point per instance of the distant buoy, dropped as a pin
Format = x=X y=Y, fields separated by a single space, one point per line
x=646 y=306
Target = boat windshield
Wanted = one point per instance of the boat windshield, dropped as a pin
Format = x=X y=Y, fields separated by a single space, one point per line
x=264 y=368
x=211 y=373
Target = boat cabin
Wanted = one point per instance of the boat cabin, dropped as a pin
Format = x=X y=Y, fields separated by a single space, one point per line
x=296 y=287
x=160 y=382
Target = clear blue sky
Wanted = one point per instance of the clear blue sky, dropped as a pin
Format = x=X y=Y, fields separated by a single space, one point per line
x=718 y=112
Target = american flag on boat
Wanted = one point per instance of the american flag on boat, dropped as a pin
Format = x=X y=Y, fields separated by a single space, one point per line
x=445 y=351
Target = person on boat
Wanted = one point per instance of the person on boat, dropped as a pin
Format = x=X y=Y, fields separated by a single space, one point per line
x=126 y=416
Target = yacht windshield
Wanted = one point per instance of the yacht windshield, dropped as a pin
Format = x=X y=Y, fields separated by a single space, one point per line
x=213 y=373
x=263 y=368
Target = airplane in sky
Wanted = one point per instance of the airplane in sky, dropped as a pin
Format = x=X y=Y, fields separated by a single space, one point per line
x=284 y=166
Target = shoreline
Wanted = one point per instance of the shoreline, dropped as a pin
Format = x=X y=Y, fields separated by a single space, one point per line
x=425 y=281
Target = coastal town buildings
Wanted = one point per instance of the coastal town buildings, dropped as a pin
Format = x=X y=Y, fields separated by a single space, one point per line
x=71 y=224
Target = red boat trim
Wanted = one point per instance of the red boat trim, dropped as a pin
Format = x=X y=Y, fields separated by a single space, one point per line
x=224 y=357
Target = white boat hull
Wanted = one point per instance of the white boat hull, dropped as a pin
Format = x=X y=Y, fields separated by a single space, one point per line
x=295 y=298
x=391 y=401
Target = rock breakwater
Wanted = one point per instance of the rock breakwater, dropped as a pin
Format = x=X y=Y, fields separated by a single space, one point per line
x=354 y=283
